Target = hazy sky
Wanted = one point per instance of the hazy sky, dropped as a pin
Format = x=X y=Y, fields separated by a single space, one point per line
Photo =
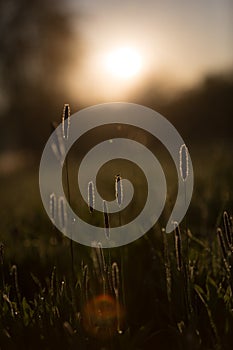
x=179 y=39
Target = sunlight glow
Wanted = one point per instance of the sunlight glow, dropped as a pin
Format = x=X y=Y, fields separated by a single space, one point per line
x=124 y=63
x=112 y=72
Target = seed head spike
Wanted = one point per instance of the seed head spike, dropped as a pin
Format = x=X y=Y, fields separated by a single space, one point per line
x=184 y=162
x=66 y=121
x=118 y=189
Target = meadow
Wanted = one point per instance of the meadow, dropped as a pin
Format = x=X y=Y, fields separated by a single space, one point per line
x=162 y=291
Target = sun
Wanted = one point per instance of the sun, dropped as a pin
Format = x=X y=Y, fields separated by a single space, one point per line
x=124 y=63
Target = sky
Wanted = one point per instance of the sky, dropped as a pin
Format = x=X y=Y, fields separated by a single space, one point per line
x=179 y=41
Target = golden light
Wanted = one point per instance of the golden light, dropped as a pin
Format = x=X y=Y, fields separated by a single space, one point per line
x=124 y=63
x=111 y=72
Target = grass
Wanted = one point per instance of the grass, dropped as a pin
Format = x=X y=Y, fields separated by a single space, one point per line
x=171 y=300
x=165 y=291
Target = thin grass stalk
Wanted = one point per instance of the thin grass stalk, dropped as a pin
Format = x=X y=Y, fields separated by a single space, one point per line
x=188 y=301
x=216 y=344
x=109 y=278
x=182 y=267
x=65 y=132
x=2 y=264
x=102 y=265
x=228 y=230
x=85 y=282
x=223 y=248
x=122 y=269
x=58 y=150
x=116 y=286
x=231 y=226
x=85 y=294
x=53 y=283
x=96 y=267
x=119 y=200
x=167 y=265
x=99 y=264
x=178 y=247
x=62 y=212
x=101 y=259
x=106 y=220
x=184 y=173
x=14 y=271
x=119 y=193
x=198 y=241
x=9 y=303
x=57 y=144
x=69 y=198
x=68 y=329
x=62 y=288
x=227 y=266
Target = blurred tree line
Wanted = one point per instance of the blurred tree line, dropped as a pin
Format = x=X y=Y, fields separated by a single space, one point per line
x=205 y=113
x=37 y=41
x=202 y=113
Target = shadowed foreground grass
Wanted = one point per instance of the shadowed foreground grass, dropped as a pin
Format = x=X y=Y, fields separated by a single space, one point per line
x=167 y=291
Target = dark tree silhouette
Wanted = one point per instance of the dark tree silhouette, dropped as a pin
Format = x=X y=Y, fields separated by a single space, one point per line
x=37 y=43
x=203 y=113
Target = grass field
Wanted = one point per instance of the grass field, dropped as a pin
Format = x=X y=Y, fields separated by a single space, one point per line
x=164 y=291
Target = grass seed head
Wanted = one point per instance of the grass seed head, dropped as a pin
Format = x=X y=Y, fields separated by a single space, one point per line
x=91 y=196
x=184 y=162
x=118 y=189
x=66 y=121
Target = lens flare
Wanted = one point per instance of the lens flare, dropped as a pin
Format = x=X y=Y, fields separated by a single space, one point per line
x=101 y=316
